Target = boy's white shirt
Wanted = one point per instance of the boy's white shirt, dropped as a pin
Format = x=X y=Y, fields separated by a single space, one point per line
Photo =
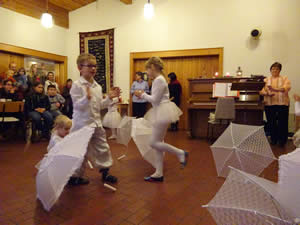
x=87 y=112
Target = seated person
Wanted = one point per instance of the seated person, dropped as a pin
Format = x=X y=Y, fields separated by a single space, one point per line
x=8 y=91
x=56 y=101
x=51 y=81
x=297 y=98
x=37 y=106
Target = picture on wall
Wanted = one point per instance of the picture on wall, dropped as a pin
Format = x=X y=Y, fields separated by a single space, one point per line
x=101 y=45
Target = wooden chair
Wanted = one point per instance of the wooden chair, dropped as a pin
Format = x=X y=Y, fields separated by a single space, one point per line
x=223 y=116
x=7 y=111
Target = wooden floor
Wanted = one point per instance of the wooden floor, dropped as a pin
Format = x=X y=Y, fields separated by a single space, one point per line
x=176 y=201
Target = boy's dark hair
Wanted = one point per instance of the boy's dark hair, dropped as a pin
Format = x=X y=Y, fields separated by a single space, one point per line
x=51 y=86
x=50 y=73
x=37 y=83
x=69 y=80
x=172 y=76
x=277 y=65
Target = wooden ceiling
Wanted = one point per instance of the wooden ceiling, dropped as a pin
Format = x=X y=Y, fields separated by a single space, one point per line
x=59 y=9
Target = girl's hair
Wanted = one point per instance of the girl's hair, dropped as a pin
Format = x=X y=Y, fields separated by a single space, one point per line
x=140 y=74
x=156 y=62
x=22 y=69
x=31 y=70
x=172 y=76
x=62 y=121
x=37 y=83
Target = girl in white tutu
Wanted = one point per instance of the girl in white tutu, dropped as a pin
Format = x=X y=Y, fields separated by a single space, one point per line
x=112 y=118
x=162 y=113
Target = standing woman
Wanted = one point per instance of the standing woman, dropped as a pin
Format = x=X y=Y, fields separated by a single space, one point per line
x=68 y=107
x=175 y=94
x=139 y=105
x=277 y=102
x=161 y=115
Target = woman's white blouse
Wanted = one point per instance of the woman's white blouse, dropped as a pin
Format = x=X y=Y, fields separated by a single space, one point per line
x=159 y=92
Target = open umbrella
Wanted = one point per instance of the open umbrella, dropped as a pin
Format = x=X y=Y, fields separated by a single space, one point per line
x=141 y=134
x=289 y=182
x=59 y=164
x=124 y=130
x=247 y=199
x=243 y=147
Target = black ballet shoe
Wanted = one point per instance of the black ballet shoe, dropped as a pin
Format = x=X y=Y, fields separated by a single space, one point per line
x=154 y=179
x=75 y=181
x=110 y=179
x=186 y=157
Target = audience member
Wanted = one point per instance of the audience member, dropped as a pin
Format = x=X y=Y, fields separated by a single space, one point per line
x=56 y=101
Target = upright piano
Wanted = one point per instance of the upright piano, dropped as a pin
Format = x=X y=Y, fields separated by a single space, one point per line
x=249 y=104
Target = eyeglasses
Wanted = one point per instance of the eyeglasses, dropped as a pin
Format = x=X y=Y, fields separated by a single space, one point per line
x=90 y=66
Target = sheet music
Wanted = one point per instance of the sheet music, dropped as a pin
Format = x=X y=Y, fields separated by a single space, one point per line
x=224 y=90
x=220 y=90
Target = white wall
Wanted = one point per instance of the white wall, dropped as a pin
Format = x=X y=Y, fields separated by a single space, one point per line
x=25 y=31
x=191 y=24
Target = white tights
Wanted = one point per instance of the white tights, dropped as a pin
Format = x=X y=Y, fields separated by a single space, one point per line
x=157 y=143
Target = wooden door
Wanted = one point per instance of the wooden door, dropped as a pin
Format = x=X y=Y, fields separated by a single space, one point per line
x=185 y=68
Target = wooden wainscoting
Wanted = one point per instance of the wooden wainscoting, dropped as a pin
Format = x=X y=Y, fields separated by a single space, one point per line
x=187 y=64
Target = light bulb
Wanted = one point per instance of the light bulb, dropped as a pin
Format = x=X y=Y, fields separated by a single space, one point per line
x=148 y=10
x=47 y=20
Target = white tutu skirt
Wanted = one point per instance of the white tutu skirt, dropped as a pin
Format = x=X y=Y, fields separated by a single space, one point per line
x=112 y=119
x=166 y=112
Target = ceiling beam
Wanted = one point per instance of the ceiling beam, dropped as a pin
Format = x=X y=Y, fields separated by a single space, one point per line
x=127 y=2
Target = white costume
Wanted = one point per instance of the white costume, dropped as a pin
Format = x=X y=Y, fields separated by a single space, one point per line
x=112 y=118
x=161 y=115
x=86 y=112
x=54 y=140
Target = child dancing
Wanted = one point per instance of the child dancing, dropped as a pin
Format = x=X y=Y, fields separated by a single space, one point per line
x=162 y=113
x=87 y=100
x=112 y=118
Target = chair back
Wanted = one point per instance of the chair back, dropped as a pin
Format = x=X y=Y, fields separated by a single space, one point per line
x=13 y=107
x=225 y=109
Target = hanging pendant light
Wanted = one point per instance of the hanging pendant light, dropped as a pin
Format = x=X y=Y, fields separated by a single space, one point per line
x=148 y=10
x=46 y=19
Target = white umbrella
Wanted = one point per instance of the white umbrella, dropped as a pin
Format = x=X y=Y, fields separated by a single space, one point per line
x=141 y=134
x=289 y=182
x=59 y=164
x=246 y=199
x=243 y=147
x=124 y=130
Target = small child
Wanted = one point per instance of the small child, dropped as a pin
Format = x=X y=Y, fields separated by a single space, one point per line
x=112 y=118
x=62 y=126
x=56 y=101
x=161 y=115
